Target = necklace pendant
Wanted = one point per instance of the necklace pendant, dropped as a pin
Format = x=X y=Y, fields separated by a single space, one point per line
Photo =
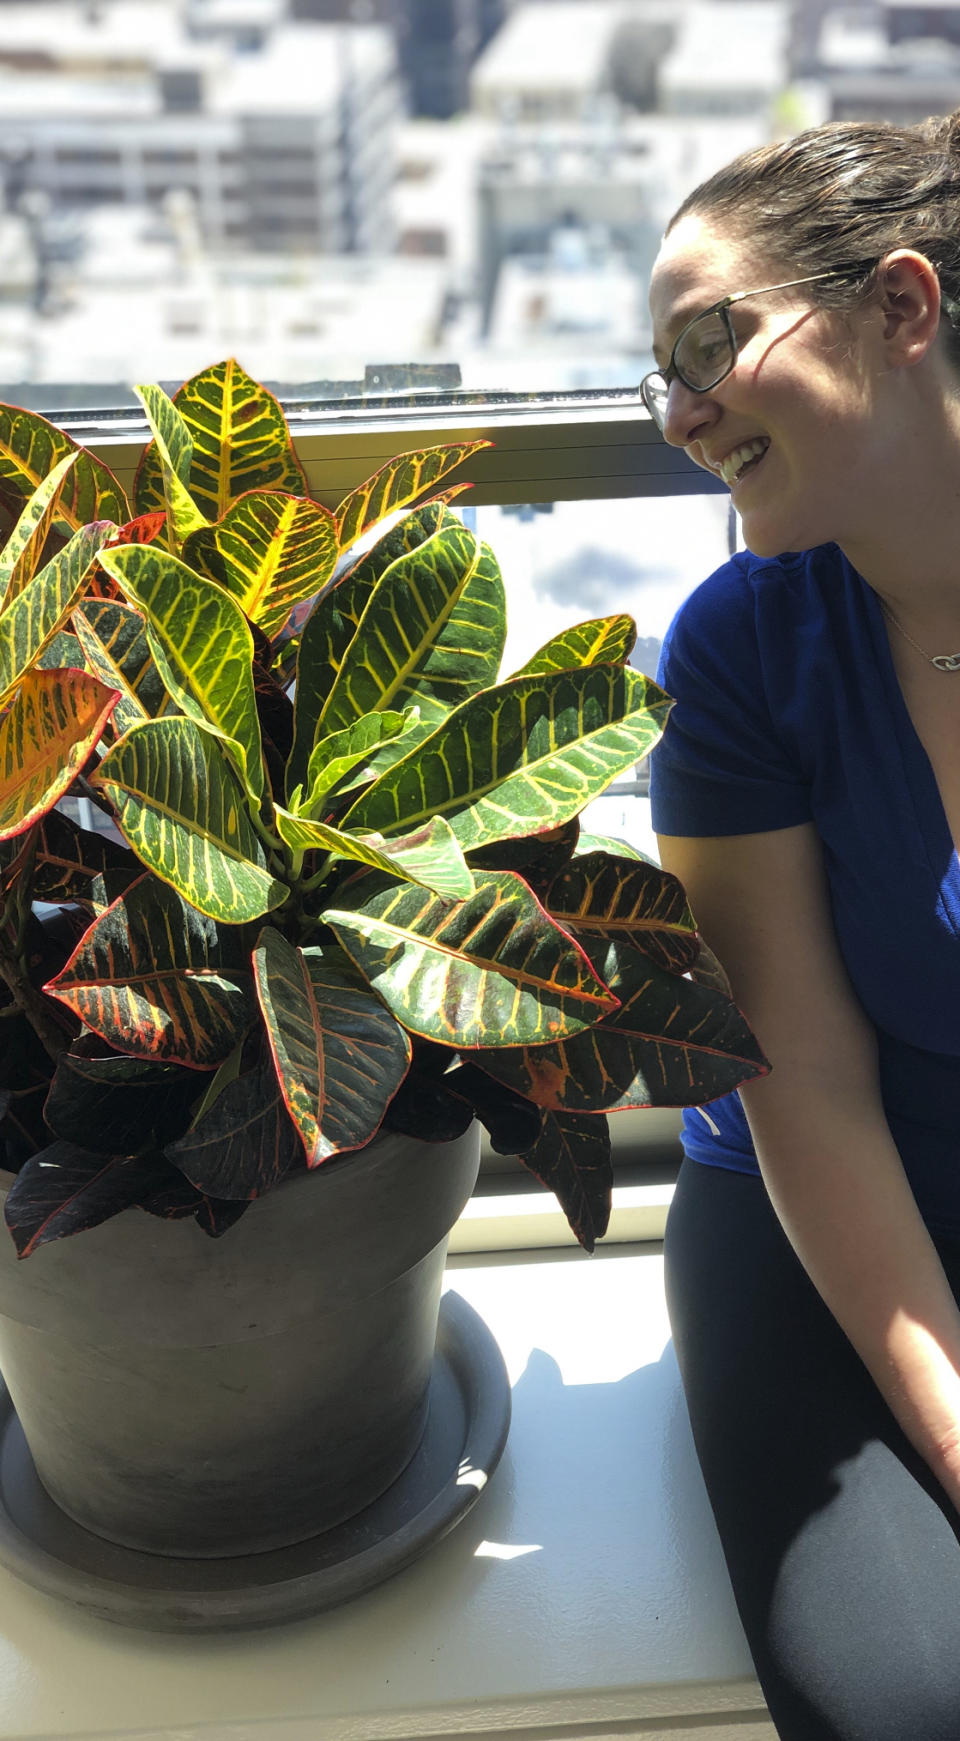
x=946 y=661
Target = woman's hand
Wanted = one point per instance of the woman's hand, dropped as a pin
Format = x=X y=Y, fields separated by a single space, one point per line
x=828 y=1159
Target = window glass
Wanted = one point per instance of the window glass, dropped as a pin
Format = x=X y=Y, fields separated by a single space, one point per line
x=565 y=562
x=358 y=197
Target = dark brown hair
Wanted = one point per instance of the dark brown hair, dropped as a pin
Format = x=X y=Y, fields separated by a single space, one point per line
x=843 y=195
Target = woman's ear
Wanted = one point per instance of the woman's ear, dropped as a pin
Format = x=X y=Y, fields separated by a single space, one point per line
x=909 y=299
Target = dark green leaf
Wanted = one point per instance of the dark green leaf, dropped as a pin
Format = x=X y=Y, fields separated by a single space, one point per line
x=66 y=1189
x=246 y=1143
x=572 y=1158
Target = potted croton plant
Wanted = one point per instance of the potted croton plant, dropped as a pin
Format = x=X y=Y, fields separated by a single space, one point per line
x=342 y=911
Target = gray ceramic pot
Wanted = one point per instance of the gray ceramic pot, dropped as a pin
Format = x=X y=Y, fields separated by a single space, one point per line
x=200 y=1397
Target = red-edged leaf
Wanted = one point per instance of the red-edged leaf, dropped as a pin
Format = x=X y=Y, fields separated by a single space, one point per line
x=670 y=1043
x=339 y=1055
x=156 y=979
x=51 y=727
x=145 y=529
x=634 y=903
x=396 y=484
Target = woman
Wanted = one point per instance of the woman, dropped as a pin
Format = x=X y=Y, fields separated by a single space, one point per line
x=806 y=310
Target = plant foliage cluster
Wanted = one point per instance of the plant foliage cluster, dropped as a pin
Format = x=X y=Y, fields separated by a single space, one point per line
x=345 y=883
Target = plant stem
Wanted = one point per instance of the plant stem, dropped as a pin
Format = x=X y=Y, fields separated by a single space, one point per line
x=32 y=1002
x=17 y=909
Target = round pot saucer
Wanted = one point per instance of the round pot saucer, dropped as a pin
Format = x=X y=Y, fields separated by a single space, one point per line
x=467 y=1420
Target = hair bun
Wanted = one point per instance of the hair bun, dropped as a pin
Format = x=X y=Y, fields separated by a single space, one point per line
x=942 y=132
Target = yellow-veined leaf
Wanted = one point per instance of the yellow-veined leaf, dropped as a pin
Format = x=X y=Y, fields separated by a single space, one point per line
x=519 y=758
x=113 y=640
x=491 y=970
x=174 y=445
x=181 y=807
x=35 y=615
x=269 y=552
x=201 y=643
x=429 y=856
x=396 y=484
x=240 y=443
x=21 y=554
x=602 y=641
x=30 y=448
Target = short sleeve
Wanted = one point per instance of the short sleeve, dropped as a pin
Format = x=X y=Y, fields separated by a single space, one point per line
x=723 y=765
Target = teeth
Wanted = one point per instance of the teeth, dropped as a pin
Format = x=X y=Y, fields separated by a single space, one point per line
x=734 y=463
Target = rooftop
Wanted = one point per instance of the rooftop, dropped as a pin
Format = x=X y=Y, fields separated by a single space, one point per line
x=555 y=44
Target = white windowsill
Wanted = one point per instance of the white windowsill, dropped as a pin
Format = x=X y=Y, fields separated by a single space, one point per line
x=584 y=1596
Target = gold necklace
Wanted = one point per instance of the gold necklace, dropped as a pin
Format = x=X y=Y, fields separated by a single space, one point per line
x=943 y=661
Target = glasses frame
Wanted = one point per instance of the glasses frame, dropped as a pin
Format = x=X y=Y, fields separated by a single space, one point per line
x=673 y=372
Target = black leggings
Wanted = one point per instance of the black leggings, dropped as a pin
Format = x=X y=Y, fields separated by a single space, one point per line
x=842 y=1548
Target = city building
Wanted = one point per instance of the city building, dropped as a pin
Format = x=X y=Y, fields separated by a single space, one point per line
x=282 y=132
x=730 y=58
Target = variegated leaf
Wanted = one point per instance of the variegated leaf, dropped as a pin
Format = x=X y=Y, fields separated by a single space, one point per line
x=63 y=652
x=430 y=856
x=53 y=724
x=205 y=652
x=401 y=634
x=240 y=443
x=333 y=623
x=432 y=633
x=637 y=904
x=113 y=639
x=396 y=484
x=671 y=1043
x=35 y=615
x=492 y=970
x=339 y=1055
x=182 y=809
x=269 y=552
x=30 y=448
x=520 y=758
x=157 y=980
x=603 y=641
x=21 y=555
x=174 y=447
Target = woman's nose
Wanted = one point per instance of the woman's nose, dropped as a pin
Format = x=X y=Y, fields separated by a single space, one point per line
x=686 y=414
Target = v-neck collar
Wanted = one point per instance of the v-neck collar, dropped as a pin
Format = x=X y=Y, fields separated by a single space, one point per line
x=924 y=789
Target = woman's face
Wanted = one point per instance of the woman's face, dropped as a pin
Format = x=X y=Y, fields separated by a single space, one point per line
x=803 y=385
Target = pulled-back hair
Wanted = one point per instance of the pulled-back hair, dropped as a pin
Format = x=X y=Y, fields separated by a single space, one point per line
x=843 y=195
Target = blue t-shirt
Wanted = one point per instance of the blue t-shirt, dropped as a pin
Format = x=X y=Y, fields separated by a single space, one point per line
x=789 y=710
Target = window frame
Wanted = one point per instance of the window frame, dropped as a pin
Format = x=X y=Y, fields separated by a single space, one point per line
x=585 y=447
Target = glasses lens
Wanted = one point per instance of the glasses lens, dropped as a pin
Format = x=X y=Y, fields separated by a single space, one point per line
x=654 y=390
x=705 y=352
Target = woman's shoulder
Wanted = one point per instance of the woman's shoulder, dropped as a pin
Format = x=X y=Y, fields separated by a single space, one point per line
x=760 y=602
x=805 y=578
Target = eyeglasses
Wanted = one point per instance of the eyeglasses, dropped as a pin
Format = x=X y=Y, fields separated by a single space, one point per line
x=706 y=348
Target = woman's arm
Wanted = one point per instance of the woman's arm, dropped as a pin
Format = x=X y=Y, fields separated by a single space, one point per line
x=830 y=1164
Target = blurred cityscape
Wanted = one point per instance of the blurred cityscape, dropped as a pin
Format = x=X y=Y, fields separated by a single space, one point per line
x=377 y=196
x=369 y=195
